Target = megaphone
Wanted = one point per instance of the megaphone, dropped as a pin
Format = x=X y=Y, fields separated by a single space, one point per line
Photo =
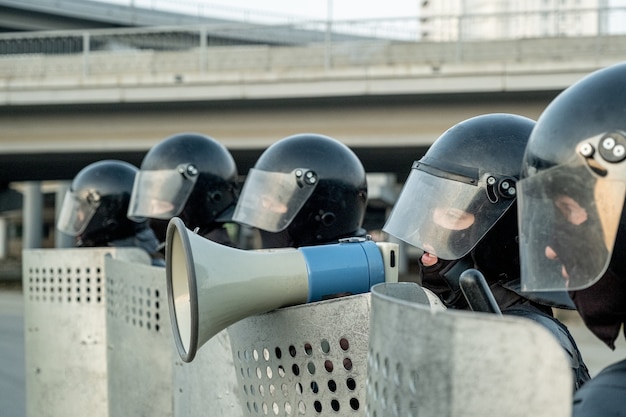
x=211 y=286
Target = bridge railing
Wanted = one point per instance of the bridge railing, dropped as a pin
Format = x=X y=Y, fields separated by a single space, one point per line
x=253 y=48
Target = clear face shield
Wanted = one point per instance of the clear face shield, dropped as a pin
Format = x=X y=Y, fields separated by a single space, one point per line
x=271 y=200
x=447 y=214
x=161 y=194
x=569 y=216
x=77 y=211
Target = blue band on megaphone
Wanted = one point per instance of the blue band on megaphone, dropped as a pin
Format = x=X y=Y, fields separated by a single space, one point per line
x=340 y=268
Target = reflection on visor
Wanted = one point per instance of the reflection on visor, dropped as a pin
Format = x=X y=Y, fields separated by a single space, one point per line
x=270 y=200
x=160 y=194
x=452 y=218
x=568 y=222
x=271 y=204
x=159 y=209
x=76 y=213
x=442 y=216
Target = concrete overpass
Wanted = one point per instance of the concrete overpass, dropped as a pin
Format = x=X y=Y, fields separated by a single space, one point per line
x=123 y=90
x=125 y=78
x=387 y=100
x=36 y=15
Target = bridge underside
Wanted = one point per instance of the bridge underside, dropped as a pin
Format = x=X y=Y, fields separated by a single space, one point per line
x=387 y=133
x=30 y=15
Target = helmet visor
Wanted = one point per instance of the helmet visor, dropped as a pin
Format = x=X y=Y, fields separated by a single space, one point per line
x=161 y=194
x=443 y=216
x=76 y=213
x=568 y=219
x=271 y=200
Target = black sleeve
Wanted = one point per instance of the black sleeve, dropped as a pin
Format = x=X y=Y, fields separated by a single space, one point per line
x=563 y=336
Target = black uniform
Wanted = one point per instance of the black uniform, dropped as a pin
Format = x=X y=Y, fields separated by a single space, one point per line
x=146 y=240
x=604 y=395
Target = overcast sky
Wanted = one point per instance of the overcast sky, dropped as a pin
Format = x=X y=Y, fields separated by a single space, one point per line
x=318 y=9
x=285 y=9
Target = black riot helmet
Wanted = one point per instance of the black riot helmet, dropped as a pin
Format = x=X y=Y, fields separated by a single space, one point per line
x=574 y=182
x=94 y=209
x=458 y=203
x=462 y=186
x=305 y=189
x=571 y=200
x=188 y=175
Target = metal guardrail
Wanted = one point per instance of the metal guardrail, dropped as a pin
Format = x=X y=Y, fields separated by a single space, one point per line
x=246 y=47
x=258 y=59
x=548 y=23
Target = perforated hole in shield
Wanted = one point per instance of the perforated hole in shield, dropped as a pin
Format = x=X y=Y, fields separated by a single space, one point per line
x=138 y=305
x=306 y=378
x=82 y=285
x=391 y=388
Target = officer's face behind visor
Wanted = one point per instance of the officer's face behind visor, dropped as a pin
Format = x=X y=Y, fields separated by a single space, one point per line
x=76 y=213
x=160 y=194
x=444 y=214
x=568 y=219
x=271 y=200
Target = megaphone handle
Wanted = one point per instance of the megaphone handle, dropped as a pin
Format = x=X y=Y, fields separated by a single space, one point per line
x=477 y=293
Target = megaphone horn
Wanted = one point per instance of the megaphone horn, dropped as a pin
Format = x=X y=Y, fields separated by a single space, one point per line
x=211 y=286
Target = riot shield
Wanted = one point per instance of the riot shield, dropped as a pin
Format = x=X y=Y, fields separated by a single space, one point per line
x=140 y=343
x=145 y=373
x=207 y=386
x=65 y=329
x=461 y=363
x=305 y=360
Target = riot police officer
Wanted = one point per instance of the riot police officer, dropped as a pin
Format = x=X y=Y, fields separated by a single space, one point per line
x=571 y=205
x=191 y=176
x=94 y=209
x=306 y=189
x=458 y=207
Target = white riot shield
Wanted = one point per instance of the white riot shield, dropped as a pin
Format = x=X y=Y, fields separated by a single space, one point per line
x=65 y=329
x=461 y=363
x=146 y=375
x=140 y=342
x=305 y=360
x=207 y=386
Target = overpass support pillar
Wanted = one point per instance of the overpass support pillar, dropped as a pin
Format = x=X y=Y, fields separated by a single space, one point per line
x=4 y=238
x=61 y=240
x=32 y=230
